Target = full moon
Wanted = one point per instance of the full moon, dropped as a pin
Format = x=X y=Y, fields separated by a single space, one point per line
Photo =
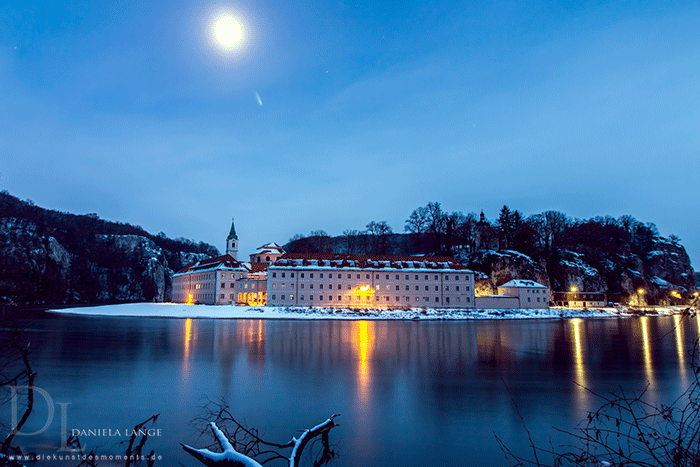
x=228 y=32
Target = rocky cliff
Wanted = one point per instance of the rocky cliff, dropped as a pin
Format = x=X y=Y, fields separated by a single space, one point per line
x=48 y=257
x=665 y=269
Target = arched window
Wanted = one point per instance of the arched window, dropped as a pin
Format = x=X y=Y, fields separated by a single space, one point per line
x=267 y=259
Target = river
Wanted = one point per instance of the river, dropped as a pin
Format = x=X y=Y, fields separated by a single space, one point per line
x=408 y=393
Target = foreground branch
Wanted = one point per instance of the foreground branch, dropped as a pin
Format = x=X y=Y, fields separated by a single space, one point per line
x=229 y=457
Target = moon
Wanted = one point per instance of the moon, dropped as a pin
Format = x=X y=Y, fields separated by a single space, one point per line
x=228 y=32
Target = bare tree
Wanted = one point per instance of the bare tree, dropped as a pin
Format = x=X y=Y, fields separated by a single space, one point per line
x=379 y=234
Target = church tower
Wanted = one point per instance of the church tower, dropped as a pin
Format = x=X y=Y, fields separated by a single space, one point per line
x=232 y=242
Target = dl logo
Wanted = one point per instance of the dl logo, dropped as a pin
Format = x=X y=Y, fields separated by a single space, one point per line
x=15 y=420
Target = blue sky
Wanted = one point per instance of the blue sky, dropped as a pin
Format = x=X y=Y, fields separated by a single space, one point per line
x=369 y=110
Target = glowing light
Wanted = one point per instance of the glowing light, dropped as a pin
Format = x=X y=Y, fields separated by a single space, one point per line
x=640 y=291
x=228 y=32
x=578 y=359
x=679 y=347
x=648 y=368
x=364 y=340
x=189 y=299
x=574 y=289
x=188 y=338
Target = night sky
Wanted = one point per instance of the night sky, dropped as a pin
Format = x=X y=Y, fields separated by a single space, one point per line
x=332 y=114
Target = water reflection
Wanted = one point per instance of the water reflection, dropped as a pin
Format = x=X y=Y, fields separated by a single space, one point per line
x=648 y=365
x=187 y=340
x=400 y=386
x=364 y=345
x=582 y=384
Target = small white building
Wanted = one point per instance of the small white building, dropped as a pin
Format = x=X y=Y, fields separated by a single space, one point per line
x=268 y=253
x=530 y=294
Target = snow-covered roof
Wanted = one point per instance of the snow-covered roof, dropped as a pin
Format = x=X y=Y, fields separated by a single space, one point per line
x=522 y=283
x=271 y=247
x=212 y=264
x=363 y=262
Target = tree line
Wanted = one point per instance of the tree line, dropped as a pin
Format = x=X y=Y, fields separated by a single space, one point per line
x=430 y=230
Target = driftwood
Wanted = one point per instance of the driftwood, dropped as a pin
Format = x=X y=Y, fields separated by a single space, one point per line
x=252 y=445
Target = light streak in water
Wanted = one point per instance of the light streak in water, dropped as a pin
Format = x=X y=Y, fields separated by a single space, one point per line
x=648 y=365
x=364 y=341
x=581 y=390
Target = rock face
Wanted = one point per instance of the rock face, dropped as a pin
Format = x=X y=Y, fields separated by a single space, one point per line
x=500 y=267
x=663 y=273
x=47 y=257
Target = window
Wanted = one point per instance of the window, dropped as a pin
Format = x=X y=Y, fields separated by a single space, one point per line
x=447 y=278
x=223 y=286
x=282 y=285
x=456 y=278
x=397 y=287
x=366 y=276
x=320 y=286
x=274 y=274
x=348 y=286
x=320 y=298
x=301 y=297
x=292 y=274
x=387 y=277
x=426 y=277
x=311 y=297
x=447 y=288
x=426 y=288
x=311 y=275
x=528 y=299
x=349 y=276
x=437 y=300
x=330 y=275
x=339 y=298
x=301 y=286
x=436 y=288
x=302 y=275
x=311 y=286
x=466 y=288
x=376 y=276
x=457 y=288
x=436 y=277
x=274 y=297
x=416 y=287
x=358 y=276
x=283 y=275
x=406 y=276
x=274 y=286
x=223 y=276
x=321 y=276
x=406 y=287
x=223 y=295
x=386 y=298
x=282 y=297
x=416 y=276
x=330 y=286
x=447 y=299
x=396 y=298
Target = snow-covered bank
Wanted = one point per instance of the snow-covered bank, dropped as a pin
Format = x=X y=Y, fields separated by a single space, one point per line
x=175 y=310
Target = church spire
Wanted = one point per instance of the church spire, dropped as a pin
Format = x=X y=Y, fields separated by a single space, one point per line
x=232 y=233
x=232 y=242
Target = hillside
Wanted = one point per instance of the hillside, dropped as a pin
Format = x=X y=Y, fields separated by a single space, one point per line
x=51 y=257
x=619 y=256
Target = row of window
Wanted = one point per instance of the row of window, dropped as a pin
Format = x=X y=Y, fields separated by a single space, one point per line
x=377 y=287
x=358 y=298
x=330 y=275
x=241 y=285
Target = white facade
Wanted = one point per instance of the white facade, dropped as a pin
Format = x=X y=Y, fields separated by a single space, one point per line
x=210 y=281
x=530 y=293
x=354 y=281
